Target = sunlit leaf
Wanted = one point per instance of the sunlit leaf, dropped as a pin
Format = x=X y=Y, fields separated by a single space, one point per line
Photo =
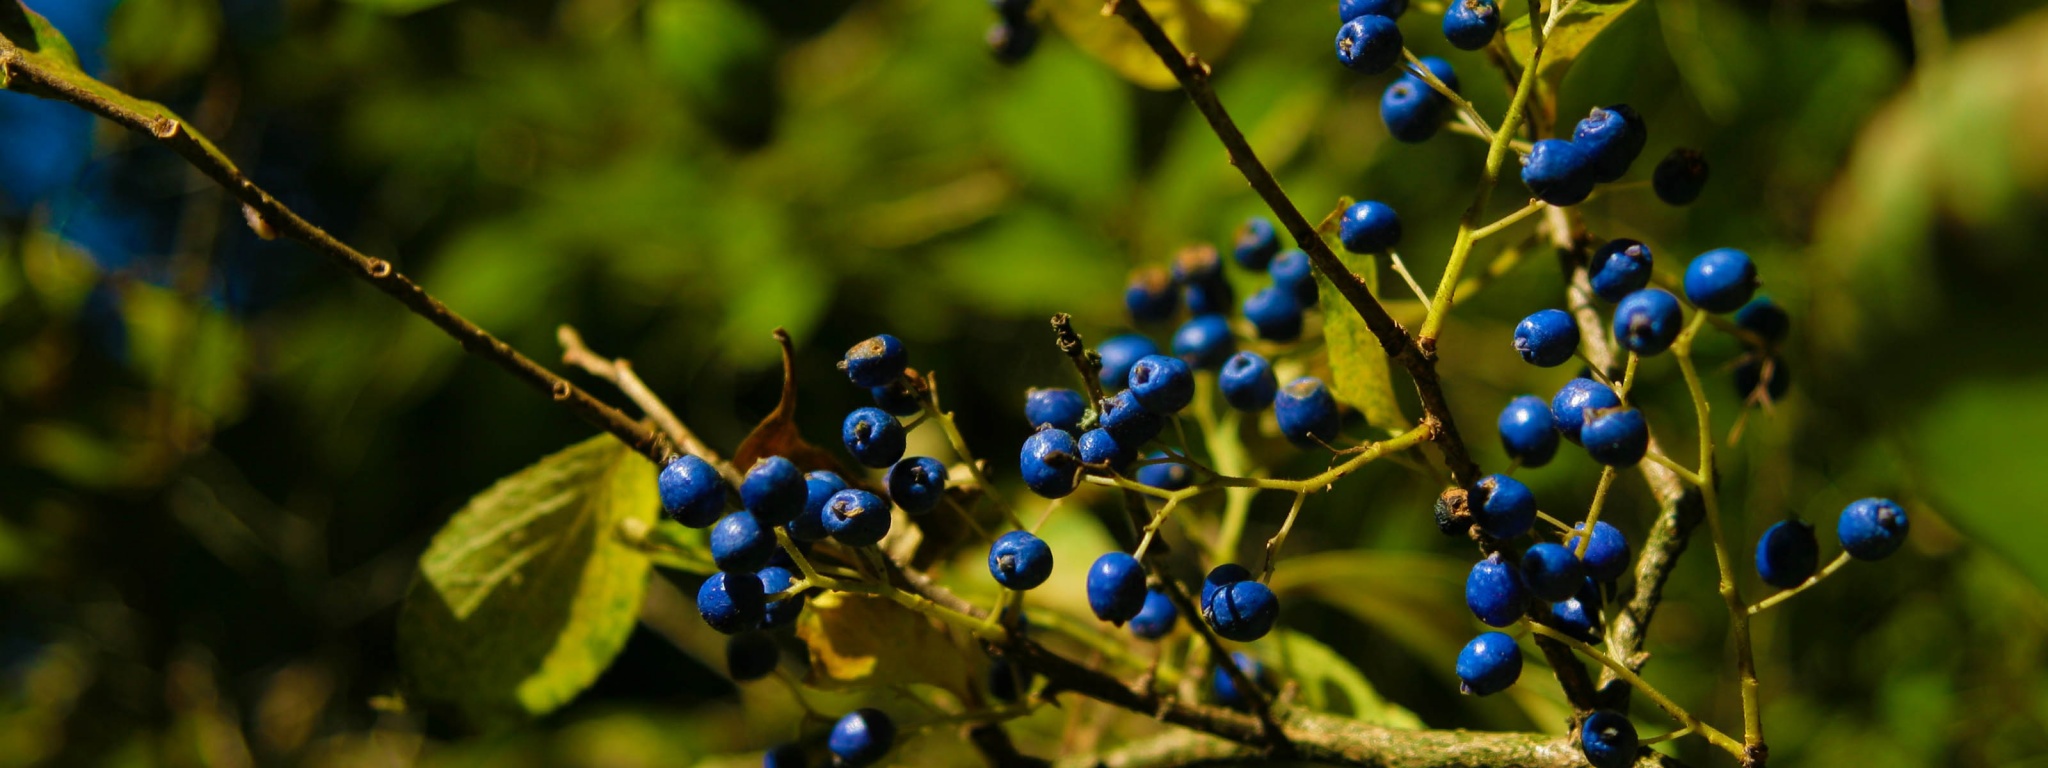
x=862 y=641
x=1329 y=683
x=1410 y=599
x=1582 y=22
x=1203 y=27
x=1359 y=371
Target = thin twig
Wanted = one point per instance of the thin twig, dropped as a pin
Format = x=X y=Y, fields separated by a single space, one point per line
x=620 y=372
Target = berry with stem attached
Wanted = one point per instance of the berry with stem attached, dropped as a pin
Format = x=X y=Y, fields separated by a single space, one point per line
x=1204 y=342
x=1527 y=431
x=1720 y=280
x=1558 y=172
x=1119 y=353
x=1019 y=560
x=1505 y=507
x=1307 y=412
x=739 y=542
x=1116 y=588
x=1619 y=268
x=917 y=484
x=1274 y=313
x=774 y=489
x=1608 y=740
x=779 y=613
x=1166 y=476
x=1369 y=226
x=898 y=398
x=1057 y=406
x=692 y=492
x=1872 y=529
x=1489 y=664
x=1291 y=271
x=1613 y=136
x=1162 y=385
x=1471 y=24
x=750 y=656
x=1247 y=382
x=1369 y=44
x=1617 y=437
x=1256 y=244
x=1494 y=592
x=1787 y=554
x=1552 y=572
x=856 y=517
x=731 y=602
x=1647 y=321
x=1547 y=339
x=873 y=436
x=875 y=362
x=1132 y=425
x=1243 y=611
x=1606 y=555
x=1680 y=176
x=863 y=737
x=819 y=486
x=1411 y=110
x=1100 y=446
x=1156 y=618
x=1151 y=295
x=1574 y=400
x=1573 y=616
x=1050 y=463
x=1219 y=577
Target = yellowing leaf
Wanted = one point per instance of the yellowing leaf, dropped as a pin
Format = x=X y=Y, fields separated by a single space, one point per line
x=1359 y=373
x=1582 y=22
x=1204 y=27
x=861 y=641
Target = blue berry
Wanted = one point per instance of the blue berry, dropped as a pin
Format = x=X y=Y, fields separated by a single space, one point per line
x=862 y=737
x=1204 y=342
x=1100 y=447
x=1156 y=618
x=1552 y=572
x=1558 y=172
x=1209 y=297
x=1505 y=507
x=873 y=437
x=1197 y=264
x=774 y=489
x=1256 y=243
x=1573 y=616
x=875 y=362
x=818 y=487
x=1608 y=740
x=898 y=398
x=785 y=756
x=1247 y=382
x=1494 y=592
x=1751 y=373
x=1680 y=176
x=1720 y=280
x=1292 y=271
x=1132 y=425
x=1050 y=463
x=1764 y=318
x=1219 y=577
x=1647 y=321
x=1274 y=313
x=1351 y=9
x=1617 y=438
x=1547 y=339
x=1012 y=39
x=1787 y=554
x=1527 y=431
x=1119 y=353
x=1162 y=385
x=917 y=484
x=1244 y=611
x=1441 y=68
x=1168 y=476
x=692 y=492
x=1574 y=400
x=1613 y=136
x=1151 y=295
x=1619 y=268
x=1369 y=44
x=1872 y=529
x=1607 y=555
x=1369 y=226
x=1116 y=588
x=1411 y=110
x=750 y=656
x=1019 y=560
x=1307 y=413
x=1489 y=664
x=1060 y=407
x=1471 y=24
x=779 y=613
x=739 y=542
x=1225 y=686
x=731 y=602
x=856 y=517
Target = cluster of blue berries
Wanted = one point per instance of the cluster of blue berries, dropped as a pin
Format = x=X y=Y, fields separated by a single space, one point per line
x=1600 y=150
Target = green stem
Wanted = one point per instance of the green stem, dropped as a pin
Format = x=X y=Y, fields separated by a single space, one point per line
x=1593 y=514
x=1663 y=702
x=959 y=443
x=1766 y=603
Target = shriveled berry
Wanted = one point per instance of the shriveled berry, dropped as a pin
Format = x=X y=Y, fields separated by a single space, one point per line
x=1243 y=611
x=1527 y=431
x=1274 y=313
x=875 y=362
x=1680 y=176
x=1116 y=588
x=1204 y=342
x=1156 y=618
x=731 y=602
x=917 y=484
x=1151 y=295
x=1872 y=529
x=1647 y=321
x=1787 y=554
x=1056 y=406
x=1506 y=508
x=1494 y=592
x=1162 y=385
x=1547 y=338
x=1050 y=463
x=1489 y=664
x=1256 y=243
x=1720 y=280
x=1369 y=44
x=856 y=517
x=1619 y=268
x=692 y=491
x=1291 y=271
x=1247 y=382
x=1307 y=412
x=739 y=542
x=1369 y=226
x=1552 y=572
x=1558 y=172
x=863 y=737
x=1119 y=353
x=1575 y=400
x=873 y=436
x=1019 y=560
x=1617 y=437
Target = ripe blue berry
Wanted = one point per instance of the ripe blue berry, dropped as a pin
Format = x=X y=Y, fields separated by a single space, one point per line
x=1119 y=353
x=731 y=602
x=1132 y=425
x=1219 y=577
x=739 y=542
x=1307 y=413
x=1764 y=318
x=780 y=613
x=1494 y=591
x=917 y=484
x=1489 y=664
x=1209 y=297
x=1291 y=271
x=1558 y=172
x=1351 y=9
x=1274 y=313
x=1617 y=438
x=1547 y=339
x=1256 y=243
x=1505 y=508
x=1607 y=555
x=1162 y=385
x=1680 y=176
x=1225 y=686
x=1244 y=611
x=898 y=398
x=1411 y=110
x=1151 y=295
x=1787 y=554
x=1369 y=226
x=1204 y=342
x=1720 y=280
x=1062 y=408
x=1647 y=321
x=784 y=756
x=875 y=362
x=1050 y=463
x=873 y=437
x=1608 y=739
x=1527 y=431
x=1619 y=268
x=1168 y=476
x=818 y=487
x=1573 y=616
x=1441 y=68
x=856 y=517
x=1574 y=400
x=1100 y=447
x=1872 y=529
x=1552 y=572
x=1116 y=588
x=1613 y=136
x=692 y=492
x=1019 y=560
x=750 y=656
x=862 y=737
x=1197 y=264
x=1751 y=373
x=1369 y=44
x=774 y=489
x=1156 y=618
x=1247 y=382
x=1471 y=24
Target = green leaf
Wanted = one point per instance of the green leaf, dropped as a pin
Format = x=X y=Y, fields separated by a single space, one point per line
x=1205 y=27
x=1582 y=22
x=1973 y=481
x=528 y=592
x=1359 y=373
x=1321 y=672
x=1407 y=601
x=399 y=7
x=861 y=641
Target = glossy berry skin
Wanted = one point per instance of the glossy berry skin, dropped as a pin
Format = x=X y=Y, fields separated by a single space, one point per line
x=1243 y=611
x=1204 y=342
x=1132 y=425
x=1489 y=664
x=1162 y=385
x=1292 y=272
x=1151 y=295
x=917 y=484
x=1607 y=555
x=1720 y=280
x=1307 y=413
x=1256 y=244
x=1213 y=296
x=1751 y=373
x=856 y=517
x=1494 y=592
x=1441 y=68
x=1012 y=40
x=1573 y=616
x=1219 y=577
x=1019 y=560
x=1764 y=318
x=876 y=362
x=774 y=489
x=1617 y=438
x=1156 y=618
x=1225 y=686
x=1872 y=529
x=739 y=542
x=861 y=738
x=1558 y=172
x=1247 y=382
x=1369 y=226
x=692 y=492
x=819 y=486
x=1100 y=446
x=1547 y=339
x=1527 y=431
x=1170 y=476
x=1050 y=463
x=784 y=756
x=1504 y=508
x=873 y=437
x=731 y=602
x=1680 y=176
x=1471 y=24
x=1369 y=44
x=1351 y=9
x=1551 y=572
x=1608 y=740
x=750 y=656
x=780 y=613
x=1119 y=353
x=1411 y=110
x=1619 y=268
x=1647 y=321
x=1787 y=554
x=1116 y=588
x=1574 y=400
x=1060 y=407
x=1613 y=136
x=1274 y=314
x=896 y=398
